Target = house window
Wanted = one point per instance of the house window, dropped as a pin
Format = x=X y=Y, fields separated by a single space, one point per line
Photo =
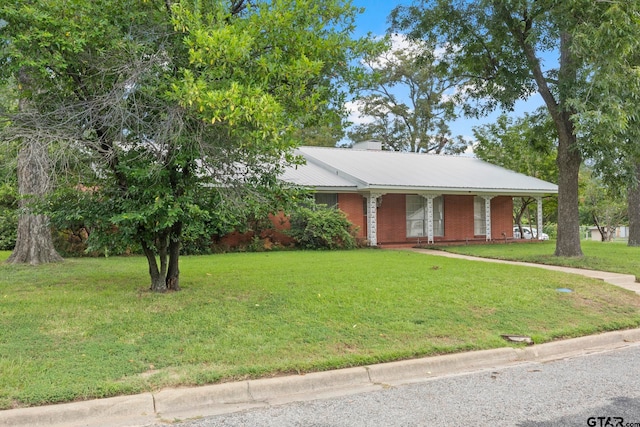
x=329 y=199
x=438 y=216
x=479 y=216
x=418 y=216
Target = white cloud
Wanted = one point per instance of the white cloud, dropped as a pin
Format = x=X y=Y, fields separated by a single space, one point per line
x=399 y=43
x=355 y=117
x=469 y=151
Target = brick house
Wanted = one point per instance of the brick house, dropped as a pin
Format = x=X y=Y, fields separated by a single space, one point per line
x=407 y=198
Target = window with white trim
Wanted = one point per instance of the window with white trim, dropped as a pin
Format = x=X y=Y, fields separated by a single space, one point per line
x=479 y=216
x=418 y=216
x=329 y=199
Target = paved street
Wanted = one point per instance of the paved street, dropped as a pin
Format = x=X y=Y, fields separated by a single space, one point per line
x=601 y=389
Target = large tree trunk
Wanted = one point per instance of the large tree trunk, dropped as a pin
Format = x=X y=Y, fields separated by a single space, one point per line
x=158 y=274
x=634 y=209
x=173 y=273
x=34 y=244
x=568 y=160
x=163 y=269
x=568 y=242
x=175 y=234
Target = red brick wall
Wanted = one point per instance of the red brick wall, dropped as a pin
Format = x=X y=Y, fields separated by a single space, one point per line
x=352 y=205
x=501 y=217
x=392 y=219
x=277 y=235
x=458 y=218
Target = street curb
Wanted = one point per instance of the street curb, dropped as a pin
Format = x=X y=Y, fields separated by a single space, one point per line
x=227 y=397
x=172 y=404
x=118 y=411
x=420 y=369
x=576 y=346
x=316 y=382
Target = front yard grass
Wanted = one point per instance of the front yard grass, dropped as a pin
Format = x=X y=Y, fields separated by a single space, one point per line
x=615 y=257
x=88 y=328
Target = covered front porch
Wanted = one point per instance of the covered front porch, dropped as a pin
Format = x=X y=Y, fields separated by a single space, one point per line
x=432 y=218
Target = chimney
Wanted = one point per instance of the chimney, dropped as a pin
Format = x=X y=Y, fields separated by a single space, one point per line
x=368 y=146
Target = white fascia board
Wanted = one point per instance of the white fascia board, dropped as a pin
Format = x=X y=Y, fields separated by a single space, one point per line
x=432 y=190
x=335 y=189
x=459 y=191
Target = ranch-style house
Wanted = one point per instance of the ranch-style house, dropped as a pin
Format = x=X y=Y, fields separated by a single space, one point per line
x=397 y=198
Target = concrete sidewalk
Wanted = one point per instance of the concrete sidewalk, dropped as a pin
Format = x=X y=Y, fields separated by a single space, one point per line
x=626 y=281
x=169 y=405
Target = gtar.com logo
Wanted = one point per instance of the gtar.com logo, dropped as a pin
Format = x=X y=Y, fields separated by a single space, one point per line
x=605 y=422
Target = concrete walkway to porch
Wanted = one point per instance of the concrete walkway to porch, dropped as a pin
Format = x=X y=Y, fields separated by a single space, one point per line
x=626 y=281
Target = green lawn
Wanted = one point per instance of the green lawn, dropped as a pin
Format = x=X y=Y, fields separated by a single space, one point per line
x=615 y=257
x=88 y=327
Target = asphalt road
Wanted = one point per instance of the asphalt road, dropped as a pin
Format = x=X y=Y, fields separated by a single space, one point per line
x=601 y=389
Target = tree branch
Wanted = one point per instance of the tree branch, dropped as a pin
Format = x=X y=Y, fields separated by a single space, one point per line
x=534 y=62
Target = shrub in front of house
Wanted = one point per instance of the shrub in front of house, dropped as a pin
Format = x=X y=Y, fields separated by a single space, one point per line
x=321 y=227
x=8 y=228
x=8 y=216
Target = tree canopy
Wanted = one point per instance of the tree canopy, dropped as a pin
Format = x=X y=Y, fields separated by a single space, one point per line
x=526 y=145
x=184 y=111
x=407 y=94
x=610 y=43
x=610 y=114
x=507 y=51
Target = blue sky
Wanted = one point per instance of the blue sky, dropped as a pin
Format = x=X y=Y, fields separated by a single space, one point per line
x=374 y=20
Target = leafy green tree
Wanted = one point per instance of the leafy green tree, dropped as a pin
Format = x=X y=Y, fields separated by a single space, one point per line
x=184 y=110
x=8 y=183
x=406 y=94
x=8 y=216
x=633 y=208
x=609 y=104
x=526 y=145
x=323 y=135
x=504 y=51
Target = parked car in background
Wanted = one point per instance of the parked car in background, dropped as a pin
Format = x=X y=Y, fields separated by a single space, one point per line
x=528 y=233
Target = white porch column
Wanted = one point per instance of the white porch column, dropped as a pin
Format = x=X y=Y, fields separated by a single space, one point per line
x=429 y=198
x=539 y=219
x=372 y=218
x=487 y=216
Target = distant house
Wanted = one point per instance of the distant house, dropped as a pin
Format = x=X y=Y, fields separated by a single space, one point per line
x=407 y=198
x=621 y=232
